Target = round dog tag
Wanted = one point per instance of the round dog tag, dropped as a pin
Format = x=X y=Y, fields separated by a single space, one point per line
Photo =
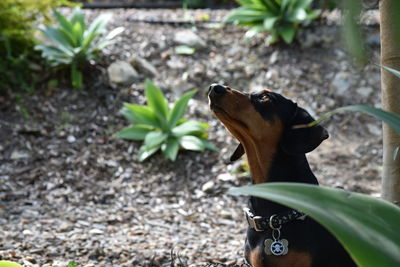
x=277 y=248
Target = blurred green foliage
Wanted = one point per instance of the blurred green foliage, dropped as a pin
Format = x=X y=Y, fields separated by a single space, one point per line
x=17 y=21
x=73 y=43
x=280 y=18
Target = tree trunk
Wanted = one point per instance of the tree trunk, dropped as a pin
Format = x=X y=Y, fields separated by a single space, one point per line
x=390 y=56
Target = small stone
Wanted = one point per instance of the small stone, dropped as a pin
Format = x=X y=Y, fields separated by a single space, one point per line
x=365 y=91
x=180 y=87
x=16 y=154
x=71 y=139
x=225 y=177
x=189 y=38
x=207 y=187
x=121 y=72
x=143 y=66
x=96 y=232
x=174 y=63
x=272 y=74
x=374 y=129
x=27 y=232
x=274 y=57
x=30 y=259
x=65 y=227
x=310 y=40
x=341 y=83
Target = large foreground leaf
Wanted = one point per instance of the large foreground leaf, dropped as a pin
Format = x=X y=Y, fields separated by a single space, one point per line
x=367 y=227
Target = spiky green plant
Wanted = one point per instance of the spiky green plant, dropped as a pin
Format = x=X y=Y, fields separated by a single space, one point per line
x=74 y=44
x=161 y=126
x=280 y=18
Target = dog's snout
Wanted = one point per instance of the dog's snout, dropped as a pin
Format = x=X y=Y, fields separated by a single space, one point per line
x=218 y=89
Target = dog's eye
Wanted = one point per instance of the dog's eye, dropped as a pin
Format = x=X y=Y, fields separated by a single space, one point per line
x=264 y=97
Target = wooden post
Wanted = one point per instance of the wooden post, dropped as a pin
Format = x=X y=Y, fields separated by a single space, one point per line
x=390 y=84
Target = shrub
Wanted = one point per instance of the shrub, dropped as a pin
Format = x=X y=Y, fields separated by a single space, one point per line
x=280 y=18
x=162 y=127
x=14 y=73
x=73 y=44
x=18 y=18
x=17 y=21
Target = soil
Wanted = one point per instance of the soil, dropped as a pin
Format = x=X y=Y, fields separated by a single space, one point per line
x=71 y=192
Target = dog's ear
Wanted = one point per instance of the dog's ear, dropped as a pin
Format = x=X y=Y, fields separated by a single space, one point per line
x=302 y=140
x=238 y=153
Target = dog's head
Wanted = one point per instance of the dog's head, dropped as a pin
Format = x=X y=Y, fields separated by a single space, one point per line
x=264 y=118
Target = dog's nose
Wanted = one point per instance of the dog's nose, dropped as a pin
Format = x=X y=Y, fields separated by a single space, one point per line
x=218 y=89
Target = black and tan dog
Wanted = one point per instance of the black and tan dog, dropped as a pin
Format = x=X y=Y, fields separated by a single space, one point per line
x=262 y=123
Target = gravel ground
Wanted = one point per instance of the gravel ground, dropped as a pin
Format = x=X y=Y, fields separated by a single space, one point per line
x=70 y=192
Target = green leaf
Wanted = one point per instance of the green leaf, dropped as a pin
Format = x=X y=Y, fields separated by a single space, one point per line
x=98 y=25
x=9 y=264
x=367 y=227
x=65 y=27
x=140 y=114
x=179 y=108
x=312 y=14
x=247 y=15
x=208 y=145
x=270 y=5
x=78 y=33
x=78 y=17
x=145 y=152
x=87 y=41
x=154 y=139
x=254 y=31
x=184 y=50
x=58 y=38
x=287 y=31
x=190 y=142
x=188 y=128
x=298 y=15
x=392 y=119
x=112 y=34
x=302 y=4
x=54 y=54
x=272 y=37
x=156 y=101
x=285 y=3
x=76 y=76
x=352 y=31
x=396 y=153
x=170 y=150
x=393 y=71
x=269 y=23
x=137 y=132
x=72 y=264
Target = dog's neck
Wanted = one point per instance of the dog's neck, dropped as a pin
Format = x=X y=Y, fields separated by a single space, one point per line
x=282 y=168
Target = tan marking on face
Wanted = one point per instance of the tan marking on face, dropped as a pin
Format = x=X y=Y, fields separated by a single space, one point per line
x=258 y=136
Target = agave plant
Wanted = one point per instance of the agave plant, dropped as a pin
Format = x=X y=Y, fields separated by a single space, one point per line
x=71 y=43
x=161 y=126
x=280 y=18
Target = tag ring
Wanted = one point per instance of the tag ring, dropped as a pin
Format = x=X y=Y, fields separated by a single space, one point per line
x=270 y=223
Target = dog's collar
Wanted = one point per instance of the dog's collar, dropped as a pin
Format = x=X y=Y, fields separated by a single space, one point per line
x=261 y=224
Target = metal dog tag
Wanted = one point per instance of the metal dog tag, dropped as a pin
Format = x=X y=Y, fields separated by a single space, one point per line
x=276 y=247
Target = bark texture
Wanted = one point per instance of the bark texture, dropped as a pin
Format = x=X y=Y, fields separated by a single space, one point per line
x=390 y=56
